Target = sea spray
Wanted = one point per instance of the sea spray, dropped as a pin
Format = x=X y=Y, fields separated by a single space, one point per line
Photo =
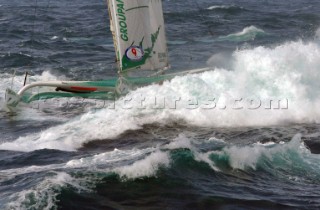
x=44 y=195
x=266 y=86
x=283 y=160
x=317 y=35
x=144 y=168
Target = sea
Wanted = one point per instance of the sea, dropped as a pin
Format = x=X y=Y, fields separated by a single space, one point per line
x=244 y=134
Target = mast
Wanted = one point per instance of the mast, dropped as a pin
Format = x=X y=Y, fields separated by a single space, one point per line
x=138 y=33
x=114 y=29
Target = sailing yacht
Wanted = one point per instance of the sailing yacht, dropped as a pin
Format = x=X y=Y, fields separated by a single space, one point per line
x=140 y=45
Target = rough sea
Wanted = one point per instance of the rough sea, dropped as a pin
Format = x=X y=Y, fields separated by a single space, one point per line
x=243 y=135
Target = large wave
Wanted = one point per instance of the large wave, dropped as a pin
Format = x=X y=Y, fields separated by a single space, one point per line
x=290 y=162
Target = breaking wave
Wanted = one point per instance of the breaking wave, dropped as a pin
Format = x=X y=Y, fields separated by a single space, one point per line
x=264 y=86
x=247 y=34
x=43 y=196
x=291 y=161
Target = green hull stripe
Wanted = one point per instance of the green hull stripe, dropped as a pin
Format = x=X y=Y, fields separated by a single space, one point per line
x=102 y=95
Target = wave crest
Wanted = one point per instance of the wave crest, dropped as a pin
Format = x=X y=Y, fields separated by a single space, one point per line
x=247 y=34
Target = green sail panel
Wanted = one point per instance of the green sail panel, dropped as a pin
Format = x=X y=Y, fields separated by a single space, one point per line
x=139 y=34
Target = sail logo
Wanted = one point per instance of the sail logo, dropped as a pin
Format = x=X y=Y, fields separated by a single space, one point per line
x=134 y=53
x=122 y=20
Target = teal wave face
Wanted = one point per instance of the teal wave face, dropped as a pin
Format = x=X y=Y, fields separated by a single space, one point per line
x=183 y=168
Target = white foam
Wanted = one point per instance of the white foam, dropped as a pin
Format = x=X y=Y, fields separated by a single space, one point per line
x=247 y=34
x=289 y=72
x=146 y=167
x=269 y=143
x=217 y=7
x=8 y=82
x=317 y=35
x=244 y=157
x=10 y=173
x=54 y=38
x=104 y=162
x=108 y=157
x=249 y=29
x=26 y=112
x=221 y=7
x=42 y=196
x=180 y=142
x=217 y=140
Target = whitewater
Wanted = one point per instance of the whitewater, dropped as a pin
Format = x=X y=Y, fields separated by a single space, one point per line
x=265 y=86
x=242 y=135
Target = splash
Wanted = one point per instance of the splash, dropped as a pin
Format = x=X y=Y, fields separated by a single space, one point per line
x=25 y=112
x=146 y=167
x=109 y=158
x=247 y=34
x=291 y=160
x=42 y=196
x=264 y=86
x=16 y=82
x=317 y=36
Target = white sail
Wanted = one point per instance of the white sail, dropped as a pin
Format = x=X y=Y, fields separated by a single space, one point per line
x=139 y=34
